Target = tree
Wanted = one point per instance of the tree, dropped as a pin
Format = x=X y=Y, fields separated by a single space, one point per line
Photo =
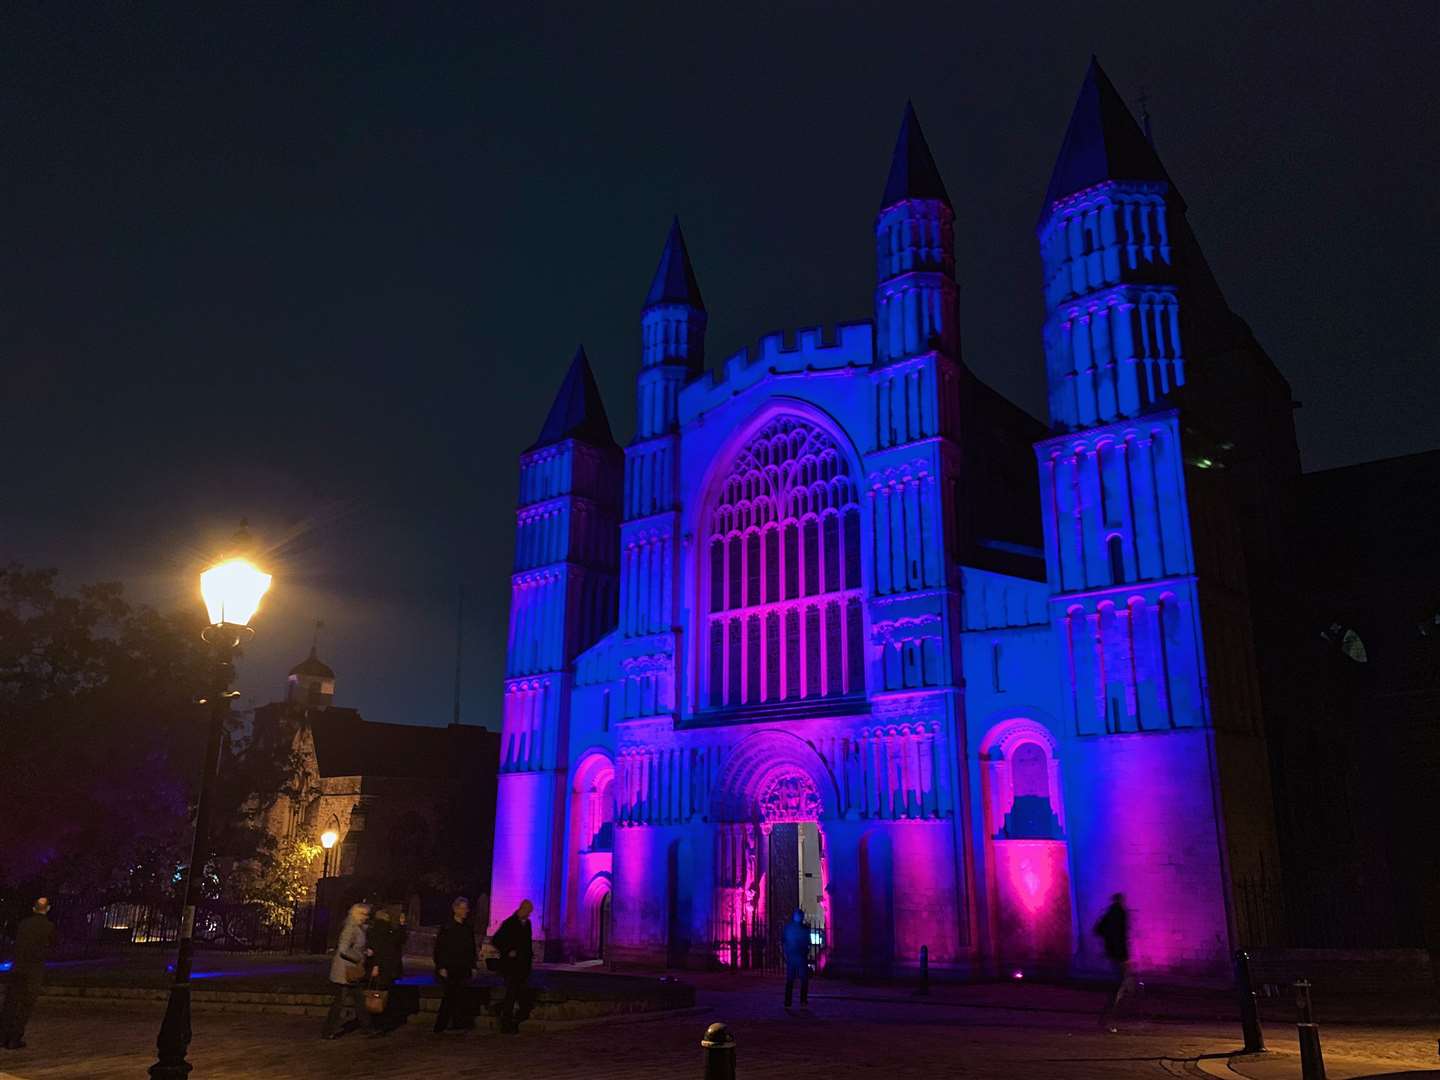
x=101 y=742
x=278 y=880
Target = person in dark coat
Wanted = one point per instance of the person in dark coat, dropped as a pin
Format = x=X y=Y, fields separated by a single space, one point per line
x=1113 y=929
x=383 y=949
x=795 y=944
x=514 y=942
x=34 y=938
x=454 y=964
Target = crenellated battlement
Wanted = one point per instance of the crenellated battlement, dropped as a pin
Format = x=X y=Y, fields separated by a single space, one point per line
x=816 y=348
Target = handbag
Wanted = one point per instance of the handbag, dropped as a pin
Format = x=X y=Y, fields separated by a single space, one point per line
x=354 y=970
x=376 y=1000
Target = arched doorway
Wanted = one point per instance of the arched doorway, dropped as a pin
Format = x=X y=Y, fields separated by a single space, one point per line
x=589 y=858
x=770 y=848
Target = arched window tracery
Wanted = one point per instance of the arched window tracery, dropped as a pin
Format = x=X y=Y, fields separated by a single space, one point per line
x=783 y=572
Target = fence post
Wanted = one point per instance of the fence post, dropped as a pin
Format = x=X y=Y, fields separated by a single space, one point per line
x=719 y=1047
x=1249 y=1010
x=924 y=971
x=1312 y=1061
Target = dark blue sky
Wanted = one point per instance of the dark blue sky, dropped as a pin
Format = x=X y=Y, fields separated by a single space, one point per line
x=325 y=269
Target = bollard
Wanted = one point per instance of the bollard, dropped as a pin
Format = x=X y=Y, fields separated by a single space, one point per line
x=1249 y=1010
x=719 y=1047
x=924 y=970
x=1312 y=1061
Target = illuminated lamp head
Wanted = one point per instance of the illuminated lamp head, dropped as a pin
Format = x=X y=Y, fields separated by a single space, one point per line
x=232 y=590
x=328 y=839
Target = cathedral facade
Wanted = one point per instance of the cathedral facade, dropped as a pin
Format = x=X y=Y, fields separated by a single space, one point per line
x=841 y=629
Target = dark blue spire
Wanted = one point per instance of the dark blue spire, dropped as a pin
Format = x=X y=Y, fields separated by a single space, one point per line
x=674 y=281
x=1103 y=142
x=578 y=412
x=913 y=174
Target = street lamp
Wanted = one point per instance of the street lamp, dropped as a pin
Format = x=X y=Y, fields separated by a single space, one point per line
x=232 y=590
x=327 y=841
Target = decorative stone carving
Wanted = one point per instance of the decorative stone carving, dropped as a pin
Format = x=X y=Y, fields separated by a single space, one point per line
x=791 y=797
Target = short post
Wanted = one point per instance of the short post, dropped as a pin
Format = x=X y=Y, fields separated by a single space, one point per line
x=1312 y=1061
x=924 y=971
x=1249 y=1009
x=719 y=1047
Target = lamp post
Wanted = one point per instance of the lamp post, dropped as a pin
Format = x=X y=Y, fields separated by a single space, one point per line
x=232 y=590
x=327 y=841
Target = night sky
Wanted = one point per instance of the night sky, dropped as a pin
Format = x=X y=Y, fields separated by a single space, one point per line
x=324 y=267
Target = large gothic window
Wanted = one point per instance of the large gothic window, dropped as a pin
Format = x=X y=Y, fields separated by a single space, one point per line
x=784 y=562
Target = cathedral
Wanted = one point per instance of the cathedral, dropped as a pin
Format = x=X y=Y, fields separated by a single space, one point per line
x=841 y=629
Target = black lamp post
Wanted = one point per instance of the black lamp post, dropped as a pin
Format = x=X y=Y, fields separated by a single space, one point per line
x=232 y=590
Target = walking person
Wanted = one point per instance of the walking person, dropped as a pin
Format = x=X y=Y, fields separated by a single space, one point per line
x=1113 y=929
x=34 y=938
x=795 y=944
x=454 y=964
x=514 y=942
x=347 y=970
x=384 y=947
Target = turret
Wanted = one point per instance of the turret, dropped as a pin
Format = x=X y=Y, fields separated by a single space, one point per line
x=915 y=295
x=1128 y=296
x=311 y=683
x=672 y=327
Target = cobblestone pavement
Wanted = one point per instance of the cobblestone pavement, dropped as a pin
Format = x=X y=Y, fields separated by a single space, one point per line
x=846 y=1034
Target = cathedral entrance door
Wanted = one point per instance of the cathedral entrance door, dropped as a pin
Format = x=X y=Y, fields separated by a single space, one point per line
x=783 y=895
x=793 y=882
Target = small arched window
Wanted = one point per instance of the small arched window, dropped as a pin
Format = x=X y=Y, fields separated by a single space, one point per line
x=1115 y=548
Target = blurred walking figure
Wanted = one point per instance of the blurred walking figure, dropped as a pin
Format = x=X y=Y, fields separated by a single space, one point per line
x=795 y=943
x=384 y=948
x=347 y=970
x=34 y=938
x=1113 y=929
x=454 y=964
x=514 y=942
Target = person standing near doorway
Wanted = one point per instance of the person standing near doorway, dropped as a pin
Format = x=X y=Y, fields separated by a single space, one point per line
x=795 y=943
x=514 y=941
x=1113 y=929
x=34 y=938
x=454 y=964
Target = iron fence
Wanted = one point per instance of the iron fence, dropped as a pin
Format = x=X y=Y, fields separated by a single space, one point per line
x=226 y=926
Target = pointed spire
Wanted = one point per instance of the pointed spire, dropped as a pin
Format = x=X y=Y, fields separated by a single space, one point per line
x=674 y=281
x=578 y=412
x=913 y=174
x=1103 y=142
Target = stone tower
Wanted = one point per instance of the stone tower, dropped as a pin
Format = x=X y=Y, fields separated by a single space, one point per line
x=1144 y=557
x=563 y=597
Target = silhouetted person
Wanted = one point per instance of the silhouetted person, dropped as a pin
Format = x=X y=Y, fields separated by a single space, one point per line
x=795 y=944
x=514 y=942
x=454 y=964
x=1113 y=929
x=347 y=971
x=384 y=946
x=34 y=938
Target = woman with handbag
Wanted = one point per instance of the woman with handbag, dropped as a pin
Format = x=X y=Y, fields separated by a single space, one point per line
x=347 y=969
x=383 y=949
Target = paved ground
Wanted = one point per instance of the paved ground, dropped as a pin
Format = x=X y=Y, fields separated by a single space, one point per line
x=849 y=1032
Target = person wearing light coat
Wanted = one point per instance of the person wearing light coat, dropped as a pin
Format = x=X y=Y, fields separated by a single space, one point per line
x=348 y=961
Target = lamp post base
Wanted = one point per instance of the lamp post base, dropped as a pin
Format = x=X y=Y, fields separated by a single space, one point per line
x=174 y=1039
